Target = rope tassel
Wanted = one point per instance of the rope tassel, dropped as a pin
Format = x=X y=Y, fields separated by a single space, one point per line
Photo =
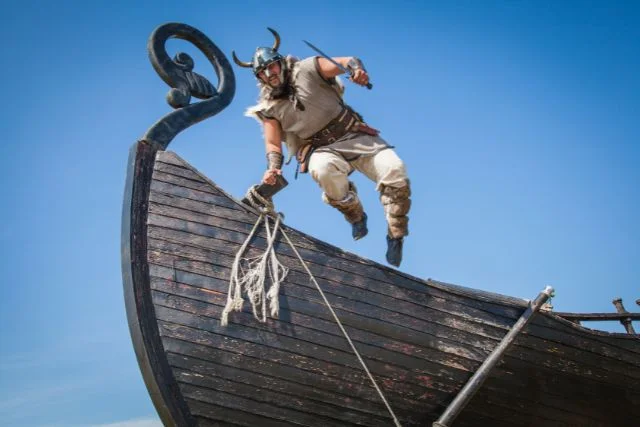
x=252 y=280
x=249 y=275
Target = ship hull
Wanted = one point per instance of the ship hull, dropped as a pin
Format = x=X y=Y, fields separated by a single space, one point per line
x=421 y=339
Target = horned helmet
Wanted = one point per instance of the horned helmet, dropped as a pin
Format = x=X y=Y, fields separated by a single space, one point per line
x=263 y=57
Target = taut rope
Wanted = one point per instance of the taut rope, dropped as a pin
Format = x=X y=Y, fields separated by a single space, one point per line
x=253 y=281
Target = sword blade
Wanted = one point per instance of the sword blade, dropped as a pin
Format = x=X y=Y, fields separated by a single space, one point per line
x=327 y=57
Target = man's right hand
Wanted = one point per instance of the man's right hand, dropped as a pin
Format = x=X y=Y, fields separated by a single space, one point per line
x=269 y=176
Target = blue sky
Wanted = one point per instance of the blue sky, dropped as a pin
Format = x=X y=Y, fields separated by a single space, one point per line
x=518 y=122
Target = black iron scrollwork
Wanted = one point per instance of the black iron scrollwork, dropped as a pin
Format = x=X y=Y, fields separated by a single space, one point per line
x=178 y=73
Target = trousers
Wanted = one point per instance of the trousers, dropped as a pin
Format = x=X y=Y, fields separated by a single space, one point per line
x=331 y=170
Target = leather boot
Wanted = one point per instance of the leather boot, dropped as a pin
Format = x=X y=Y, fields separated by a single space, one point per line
x=394 y=250
x=396 y=203
x=353 y=212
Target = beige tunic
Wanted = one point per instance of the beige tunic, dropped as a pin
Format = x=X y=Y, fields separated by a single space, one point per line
x=323 y=102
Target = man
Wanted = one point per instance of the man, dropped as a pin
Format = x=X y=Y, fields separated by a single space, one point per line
x=301 y=104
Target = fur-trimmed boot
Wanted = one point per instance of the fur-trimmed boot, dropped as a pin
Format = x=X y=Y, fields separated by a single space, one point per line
x=396 y=203
x=351 y=208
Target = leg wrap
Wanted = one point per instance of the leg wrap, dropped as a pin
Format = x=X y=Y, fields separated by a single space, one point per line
x=396 y=203
x=350 y=206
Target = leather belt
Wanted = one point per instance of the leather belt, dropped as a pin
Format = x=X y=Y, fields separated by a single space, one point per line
x=338 y=127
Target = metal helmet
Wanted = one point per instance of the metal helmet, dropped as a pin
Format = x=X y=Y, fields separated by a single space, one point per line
x=263 y=56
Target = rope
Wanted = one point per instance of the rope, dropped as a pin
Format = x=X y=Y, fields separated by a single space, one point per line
x=344 y=332
x=253 y=278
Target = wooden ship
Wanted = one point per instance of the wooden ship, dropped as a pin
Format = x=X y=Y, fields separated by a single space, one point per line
x=438 y=354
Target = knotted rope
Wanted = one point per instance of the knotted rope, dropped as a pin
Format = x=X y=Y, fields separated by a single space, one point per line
x=253 y=281
x=249 y=274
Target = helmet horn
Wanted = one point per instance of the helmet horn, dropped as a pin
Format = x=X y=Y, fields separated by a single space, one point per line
x=276 y=43
x=240 y=63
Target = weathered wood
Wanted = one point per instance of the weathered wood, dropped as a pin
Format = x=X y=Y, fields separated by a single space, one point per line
x=395 y=316
x=421 y=339
x=346 y=273
x=362 y=397
x=547 y=384
x=182 y=182
x=338 y=256
x=281 y=386
x=303 y=407
x=597 y=316
x=173 y=190
x=157 y=374
x=202 y=408
x=377 y=319
x=181 y=172
x=330 y=343
x=301 y=312
x=497 y=390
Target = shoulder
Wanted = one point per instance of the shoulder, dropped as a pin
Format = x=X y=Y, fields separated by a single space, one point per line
x=309 y=69
x=261 y=111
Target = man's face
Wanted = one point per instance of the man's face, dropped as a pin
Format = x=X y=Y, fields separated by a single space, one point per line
x=271 y=74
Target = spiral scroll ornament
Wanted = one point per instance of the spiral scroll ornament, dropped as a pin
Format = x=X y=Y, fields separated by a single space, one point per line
x=185 y=83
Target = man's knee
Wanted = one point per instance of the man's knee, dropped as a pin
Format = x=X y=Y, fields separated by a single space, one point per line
x=331 y=178
x=393 y=174
x=323 y=172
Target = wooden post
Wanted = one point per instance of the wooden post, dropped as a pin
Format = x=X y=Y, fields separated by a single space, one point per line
x=626 y=322
x=480 y=376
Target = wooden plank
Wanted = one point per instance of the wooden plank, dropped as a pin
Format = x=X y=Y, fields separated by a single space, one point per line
x=302 y=407
x=536 y=376
x=420 y=340
x=283 y=387
x=395 y=338
x=267 y=411
x=362 y=396
x=210 y=348
x=323 y=341
x=172 y=158
x=207 y=422
x=163 y=389
x=500 y=388
x=579 y=395
x=338 y=256
x=475 y=294
x=348 y=305
x=322 y=364
x=202 y=409
x=389 y=372
x=549 y=334
x=352 y=276
x=218 y=252
x=407 y=378
x=433 y=323
x=158 y=200
x=186 y=183
x=173 y=190
x=182 y=172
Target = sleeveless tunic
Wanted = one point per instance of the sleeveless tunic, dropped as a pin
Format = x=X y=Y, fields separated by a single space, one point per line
x=322 y=102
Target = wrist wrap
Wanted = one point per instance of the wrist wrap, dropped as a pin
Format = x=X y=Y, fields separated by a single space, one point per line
x=355 y=64
x=274 y=160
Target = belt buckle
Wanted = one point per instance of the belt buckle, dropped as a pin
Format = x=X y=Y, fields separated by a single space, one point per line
x=331 y=140
x=326 y=131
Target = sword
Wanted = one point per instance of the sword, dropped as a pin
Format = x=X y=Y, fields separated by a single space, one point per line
x=327 y=57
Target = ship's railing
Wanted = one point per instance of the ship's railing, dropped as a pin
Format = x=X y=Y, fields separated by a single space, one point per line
x=623 y=316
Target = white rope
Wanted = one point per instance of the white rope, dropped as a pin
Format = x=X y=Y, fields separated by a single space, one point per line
x=346 y=335
x=251 y=278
